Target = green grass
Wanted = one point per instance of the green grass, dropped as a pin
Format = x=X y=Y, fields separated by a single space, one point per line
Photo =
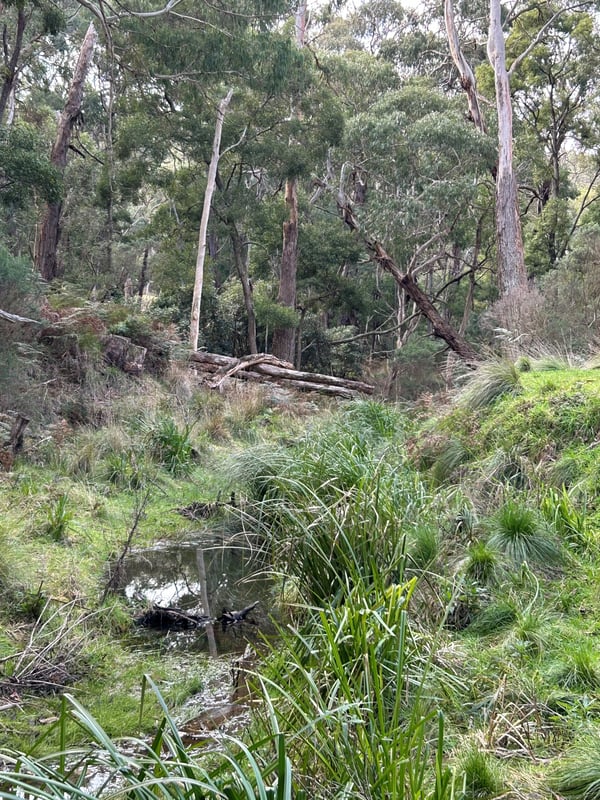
x=521 y=535
x=376 y=688
x=490 y=381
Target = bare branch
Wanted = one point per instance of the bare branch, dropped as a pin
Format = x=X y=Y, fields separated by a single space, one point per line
x=540 y=35
x=16 y=318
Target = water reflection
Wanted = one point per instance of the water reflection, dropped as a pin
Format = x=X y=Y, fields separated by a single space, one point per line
x=235 y=577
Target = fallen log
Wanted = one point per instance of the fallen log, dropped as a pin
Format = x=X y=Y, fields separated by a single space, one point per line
x=165 y=618
x=266 y=367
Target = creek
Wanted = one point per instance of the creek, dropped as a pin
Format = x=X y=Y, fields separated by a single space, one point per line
x=205 y=576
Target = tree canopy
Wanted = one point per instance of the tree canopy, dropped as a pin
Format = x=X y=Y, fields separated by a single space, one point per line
x=371 y=108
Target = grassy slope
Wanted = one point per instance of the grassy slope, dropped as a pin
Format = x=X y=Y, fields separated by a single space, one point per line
x=525 y=675
x=529 y=652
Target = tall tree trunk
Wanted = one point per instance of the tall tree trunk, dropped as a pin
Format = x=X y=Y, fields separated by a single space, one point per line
x=210 y=187
x=49 y=232
x=467 y=77
x=284 y=337
x=11 y=64
x=283 y=346
x=240 y=256
x=512 y=275
x=144 y=273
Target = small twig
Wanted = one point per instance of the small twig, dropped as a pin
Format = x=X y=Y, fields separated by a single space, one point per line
x=115 y=577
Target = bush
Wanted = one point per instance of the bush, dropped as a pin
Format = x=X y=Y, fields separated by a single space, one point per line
x=19 y=289
x=522 y=535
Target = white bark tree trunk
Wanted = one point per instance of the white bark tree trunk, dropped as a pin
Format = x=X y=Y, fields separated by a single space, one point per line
x=284 y=338
x=512 y=275
x=210 y=187
x=467 y=77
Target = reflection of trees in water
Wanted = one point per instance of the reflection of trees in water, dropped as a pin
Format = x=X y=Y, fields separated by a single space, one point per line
x=235 y=578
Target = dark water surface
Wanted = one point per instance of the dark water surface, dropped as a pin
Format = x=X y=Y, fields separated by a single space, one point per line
x=236 y=576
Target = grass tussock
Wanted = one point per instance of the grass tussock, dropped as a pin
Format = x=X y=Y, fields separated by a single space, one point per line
x=521 y=535
x=490 y=381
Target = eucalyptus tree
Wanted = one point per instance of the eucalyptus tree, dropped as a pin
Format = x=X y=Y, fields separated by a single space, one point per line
x=555 y=100
x=543 y=62
x=512 y=276
x=284 y=337
x=26 y=26
x=49 y=231
x=407 y=177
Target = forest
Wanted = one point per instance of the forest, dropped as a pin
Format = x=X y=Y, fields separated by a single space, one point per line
x=299 y=399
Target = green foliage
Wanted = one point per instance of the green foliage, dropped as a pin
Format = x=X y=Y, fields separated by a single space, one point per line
x=570 y=524
x=577 y=776
x=59 y=517
x=482 y=564
x=424 y=547
x=125 y=469
x=492 y=380
x=494 y=618
x=19 y=289
x=163 y=765
x=171 y=446
x=519 y=533
x=352 y=684
x=577 y=668
x=25 y=167
x=530 y=635
x=479 y=775
x=452 y=455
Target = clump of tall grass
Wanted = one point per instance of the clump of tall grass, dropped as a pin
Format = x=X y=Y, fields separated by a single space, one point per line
x=521 y=535
x=577 y=776
x=531 y=634
x=82 y=455
x=482 y=564
x=259 y=468
x=577 y=668
x=58 y=518
x=495 y=617
x=570 y=523
x=170 y=444
x=490 y=381
x=479 y=775
x=348 y=689
x=141 y=770
x=449 y=458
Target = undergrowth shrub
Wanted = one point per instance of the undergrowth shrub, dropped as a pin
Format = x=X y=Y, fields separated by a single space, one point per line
x=170 y=445
x=494 y=618
x=479 y=775
x=577 y=668
x=491 y=380
x=570 y=524
x=482 y=564
x=522 y=535
x=577 y=776
x=351 y=683
x=58 y=518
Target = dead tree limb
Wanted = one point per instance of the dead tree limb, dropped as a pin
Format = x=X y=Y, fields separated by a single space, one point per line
x=408 y=284
x=263 y=366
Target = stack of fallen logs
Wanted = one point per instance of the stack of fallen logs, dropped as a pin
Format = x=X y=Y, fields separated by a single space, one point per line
x=263 y=367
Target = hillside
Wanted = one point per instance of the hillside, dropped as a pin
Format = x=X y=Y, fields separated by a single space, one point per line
x=447 y=560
